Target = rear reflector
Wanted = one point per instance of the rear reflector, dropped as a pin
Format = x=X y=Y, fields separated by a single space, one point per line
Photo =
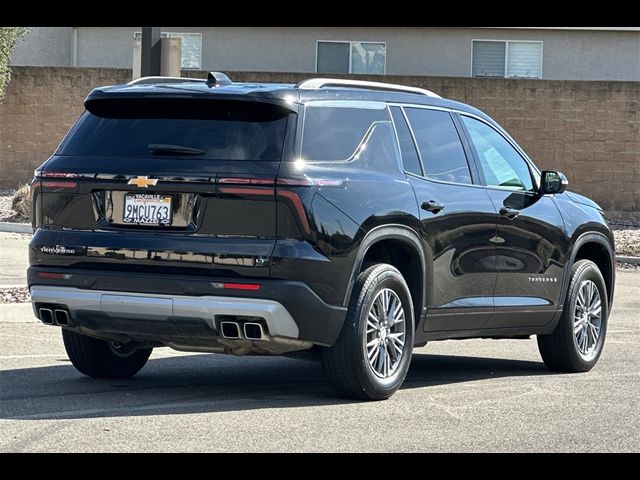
x=54 y=276
x=241 y=286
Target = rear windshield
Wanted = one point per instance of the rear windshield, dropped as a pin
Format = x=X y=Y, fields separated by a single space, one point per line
x=215 y=130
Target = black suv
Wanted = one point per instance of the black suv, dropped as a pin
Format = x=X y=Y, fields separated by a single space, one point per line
x=351 y=219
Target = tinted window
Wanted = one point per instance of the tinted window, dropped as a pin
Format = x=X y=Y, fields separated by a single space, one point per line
x=410 y=158
x=443 y=156
x=501 y=164
x=334 y=133
x=222 y=130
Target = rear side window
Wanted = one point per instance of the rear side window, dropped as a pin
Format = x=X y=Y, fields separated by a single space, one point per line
x=410 y=158
x=211 y=130
x=337 y=131
x=439 y=144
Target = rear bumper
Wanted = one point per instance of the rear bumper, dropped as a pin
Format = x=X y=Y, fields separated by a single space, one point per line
x=167 y=308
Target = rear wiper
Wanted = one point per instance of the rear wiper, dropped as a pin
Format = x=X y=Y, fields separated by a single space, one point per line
x=161 y=149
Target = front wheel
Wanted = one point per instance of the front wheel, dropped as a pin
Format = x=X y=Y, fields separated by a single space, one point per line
x=577 y=342
x=102 y=359
x=372 y=354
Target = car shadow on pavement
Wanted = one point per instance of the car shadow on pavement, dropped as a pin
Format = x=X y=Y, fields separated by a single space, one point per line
x=212 y=383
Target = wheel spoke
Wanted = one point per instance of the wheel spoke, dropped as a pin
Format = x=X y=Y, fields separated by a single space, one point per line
x=373 y=352
x=577 y=327
x=585 y=340
x=372 y=343
x=580 y=298
x=397 y=346
x=595 y=331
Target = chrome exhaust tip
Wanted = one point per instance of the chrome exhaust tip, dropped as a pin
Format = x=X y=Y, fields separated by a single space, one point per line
x=62 y=317
x=254 y=331
x=46 y=316
x=230 y=330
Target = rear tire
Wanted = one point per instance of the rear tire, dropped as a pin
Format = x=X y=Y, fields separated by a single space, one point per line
x=578 y=340
x=371 y=357
x=101 y=359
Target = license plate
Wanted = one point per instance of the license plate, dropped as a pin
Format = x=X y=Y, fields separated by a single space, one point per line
x=147 y=209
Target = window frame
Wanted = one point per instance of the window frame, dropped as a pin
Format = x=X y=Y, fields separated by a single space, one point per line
x=506 y=57
x=534 y=171
x=471 y=162
x=350 y=43
x=168 y=35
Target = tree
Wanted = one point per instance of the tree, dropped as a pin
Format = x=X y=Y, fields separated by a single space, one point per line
x=9 y=37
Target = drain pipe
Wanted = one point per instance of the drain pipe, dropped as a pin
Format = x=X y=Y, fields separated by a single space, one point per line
x=74 y=48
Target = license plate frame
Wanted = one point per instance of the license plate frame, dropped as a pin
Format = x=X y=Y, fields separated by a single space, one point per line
x=151 y=204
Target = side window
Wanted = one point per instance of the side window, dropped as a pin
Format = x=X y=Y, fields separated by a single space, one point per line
x=439 y=144
x=501 y=164
x=350 y=131
x=410 y=158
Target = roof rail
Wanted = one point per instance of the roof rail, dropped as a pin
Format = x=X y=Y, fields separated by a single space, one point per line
x=315 y=83
x=152 y=80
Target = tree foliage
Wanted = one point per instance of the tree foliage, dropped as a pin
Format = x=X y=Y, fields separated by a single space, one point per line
x=9 y=37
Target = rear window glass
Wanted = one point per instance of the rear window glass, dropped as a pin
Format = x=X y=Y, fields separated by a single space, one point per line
x=212 y=130
x=334 y=131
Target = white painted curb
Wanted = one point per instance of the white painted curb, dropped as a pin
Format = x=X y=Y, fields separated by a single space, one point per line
x=15 y=227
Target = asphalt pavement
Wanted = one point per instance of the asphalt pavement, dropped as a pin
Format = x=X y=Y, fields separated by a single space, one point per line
x=477 y=396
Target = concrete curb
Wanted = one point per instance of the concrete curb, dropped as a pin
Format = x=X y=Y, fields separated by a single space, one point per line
x=17 y=313
x=15 y=227
x=625 y=259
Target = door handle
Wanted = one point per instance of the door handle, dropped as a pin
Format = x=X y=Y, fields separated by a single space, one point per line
x=432 y=206
x=509 y=212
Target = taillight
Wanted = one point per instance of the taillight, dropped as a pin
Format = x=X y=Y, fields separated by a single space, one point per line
x=243 y=186
x=297 y=205
x=60 y=180
x=58 y=175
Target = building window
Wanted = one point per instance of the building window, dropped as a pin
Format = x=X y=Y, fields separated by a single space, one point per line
x=511 y=59
x=191 y=48
x=351 y=57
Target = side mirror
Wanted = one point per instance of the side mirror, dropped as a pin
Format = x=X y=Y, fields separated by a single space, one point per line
x=552 y=181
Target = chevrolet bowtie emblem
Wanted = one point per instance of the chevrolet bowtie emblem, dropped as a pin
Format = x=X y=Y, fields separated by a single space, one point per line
x=143 y=182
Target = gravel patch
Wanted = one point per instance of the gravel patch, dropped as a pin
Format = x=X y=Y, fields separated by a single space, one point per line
x=15 y=295
x=627 y=241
